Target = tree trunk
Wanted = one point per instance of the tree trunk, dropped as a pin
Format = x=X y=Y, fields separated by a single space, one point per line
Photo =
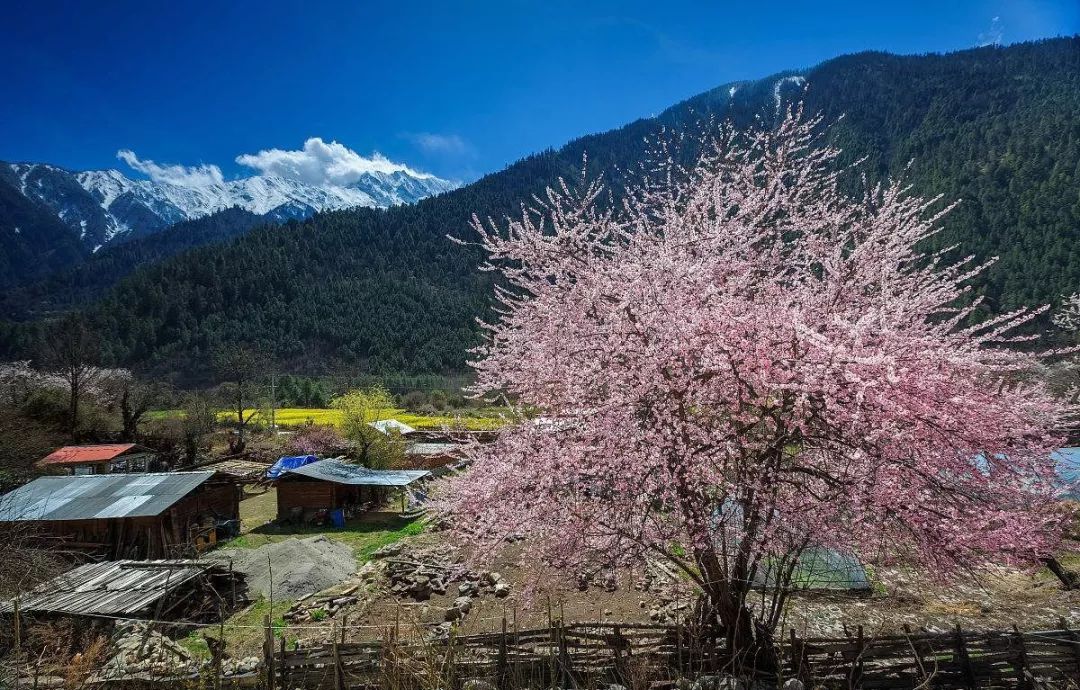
x=240 y=443
x=723 y=614
x=128 y=416
x=73 y=407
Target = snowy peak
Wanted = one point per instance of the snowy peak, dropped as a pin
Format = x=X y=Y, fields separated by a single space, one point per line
x=104 y=206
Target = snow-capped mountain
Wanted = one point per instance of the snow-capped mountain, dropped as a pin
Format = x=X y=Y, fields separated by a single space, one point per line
x=104 y=206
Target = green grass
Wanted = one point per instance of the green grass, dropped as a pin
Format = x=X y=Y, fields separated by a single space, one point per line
x=196 y=644
x=244 y=630
x=365 y=533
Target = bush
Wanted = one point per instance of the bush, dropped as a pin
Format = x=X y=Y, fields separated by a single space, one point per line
x=315 y=439
x=414 y=401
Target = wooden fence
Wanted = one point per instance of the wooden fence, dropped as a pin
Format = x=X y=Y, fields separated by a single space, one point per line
x=588 y=655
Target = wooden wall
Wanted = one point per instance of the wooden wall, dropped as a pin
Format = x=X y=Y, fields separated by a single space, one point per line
x=318 y=495
x=162 y=536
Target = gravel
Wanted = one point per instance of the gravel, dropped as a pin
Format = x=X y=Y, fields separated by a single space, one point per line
x=300 y=566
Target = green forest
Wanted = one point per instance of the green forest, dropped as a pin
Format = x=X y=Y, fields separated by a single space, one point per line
x=384 y=291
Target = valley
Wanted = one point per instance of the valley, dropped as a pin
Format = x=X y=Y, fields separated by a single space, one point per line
x=774 y=388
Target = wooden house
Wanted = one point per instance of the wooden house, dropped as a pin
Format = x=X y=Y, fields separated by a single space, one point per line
x=333 y=485
x=99 y=459
x=150 y=515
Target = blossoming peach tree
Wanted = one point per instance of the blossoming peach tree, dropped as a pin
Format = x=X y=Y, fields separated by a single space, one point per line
x=739 y=362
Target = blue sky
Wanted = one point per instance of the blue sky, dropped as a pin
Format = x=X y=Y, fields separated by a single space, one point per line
x=455 y=88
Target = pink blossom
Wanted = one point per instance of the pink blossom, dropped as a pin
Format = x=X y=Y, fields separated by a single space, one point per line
x=748 y=362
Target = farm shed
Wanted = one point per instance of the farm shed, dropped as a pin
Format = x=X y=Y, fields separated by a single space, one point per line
x=430 y=455
x=388 y=425
x=99 y=459
x=244 y=471
x=137 y=589
x=127 y=515
x=333 y=485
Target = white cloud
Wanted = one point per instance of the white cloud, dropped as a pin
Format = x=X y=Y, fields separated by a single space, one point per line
x=446 y=144
x=183 y=175
x=994 y=35
x=321 y=163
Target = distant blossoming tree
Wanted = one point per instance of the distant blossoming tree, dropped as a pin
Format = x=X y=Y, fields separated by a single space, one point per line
x=740 y=363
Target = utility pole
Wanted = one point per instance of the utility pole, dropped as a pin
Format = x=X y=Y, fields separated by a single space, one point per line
x=273 y=402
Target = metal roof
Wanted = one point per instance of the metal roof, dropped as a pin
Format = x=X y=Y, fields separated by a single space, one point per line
x=110 y=588
x=428 y=448
x=344 y=473
x=388 y=425
x=78 y=454
x=98 y=496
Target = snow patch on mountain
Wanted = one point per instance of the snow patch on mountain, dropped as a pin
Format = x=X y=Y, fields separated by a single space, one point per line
x=102 y=206
x=779 y=85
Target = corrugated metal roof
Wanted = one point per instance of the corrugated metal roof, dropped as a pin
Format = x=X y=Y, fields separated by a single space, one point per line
x=98 y=496
x=388 y=425
x=344 y=473
x=76 y=454
x=112 y=588
x=426 y=448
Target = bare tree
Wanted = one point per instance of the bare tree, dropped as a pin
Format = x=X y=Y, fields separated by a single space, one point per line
x=240 y=368
x=72 y=351
x=132 y=397
x=198 y=421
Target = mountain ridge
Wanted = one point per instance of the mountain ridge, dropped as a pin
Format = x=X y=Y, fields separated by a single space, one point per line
x=105 y=206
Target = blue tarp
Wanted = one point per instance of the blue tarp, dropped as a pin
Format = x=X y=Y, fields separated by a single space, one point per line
x=289 y=462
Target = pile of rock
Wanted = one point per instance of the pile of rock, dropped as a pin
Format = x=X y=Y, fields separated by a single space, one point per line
x=140 y=651
x=417 y=579
x=240 y=667
x=420 y=574
x=325 y=604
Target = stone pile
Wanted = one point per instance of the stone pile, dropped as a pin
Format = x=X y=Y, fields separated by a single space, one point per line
x=240 y=667
x=420 y=574
x=672 y=597
x=141 y=651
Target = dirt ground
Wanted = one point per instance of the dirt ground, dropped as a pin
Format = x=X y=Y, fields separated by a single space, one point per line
x=998 y=599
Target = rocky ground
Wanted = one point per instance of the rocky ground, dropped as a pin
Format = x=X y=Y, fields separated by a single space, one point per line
x=424 y=585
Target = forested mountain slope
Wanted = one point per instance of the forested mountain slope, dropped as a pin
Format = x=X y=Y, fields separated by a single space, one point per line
x=88 y=279
x=383 y=290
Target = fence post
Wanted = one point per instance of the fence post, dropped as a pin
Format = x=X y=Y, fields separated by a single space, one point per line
x=500 y=663
x=920 y=668
x=964 y=659
x=1075 y=642
x=800 y=665
x=284 y=669
x=553 y=646
x=620 y=669
x=565 y=672
x=268 y=652
x=856 y=671
x=1021 y=660
x=339 y=672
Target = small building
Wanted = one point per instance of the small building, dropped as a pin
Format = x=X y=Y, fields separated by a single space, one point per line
x=431 y=455
x=387 y=426
x=332 y=485
x=167 y=590
x=243 y=471
x=99 y=459
x=151 y=515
